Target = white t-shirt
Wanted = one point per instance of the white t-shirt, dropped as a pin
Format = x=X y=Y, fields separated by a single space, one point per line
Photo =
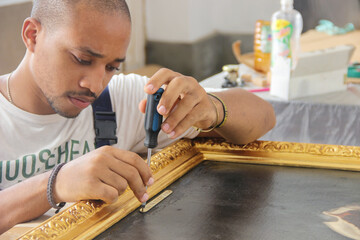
x=31 y=144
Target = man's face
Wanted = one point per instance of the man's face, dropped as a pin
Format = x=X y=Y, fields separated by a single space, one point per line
x=73 y=63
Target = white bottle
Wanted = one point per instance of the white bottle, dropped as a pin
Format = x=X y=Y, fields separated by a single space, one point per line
x=286 y=27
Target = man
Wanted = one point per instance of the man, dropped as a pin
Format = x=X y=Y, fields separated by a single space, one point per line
x=74 y=48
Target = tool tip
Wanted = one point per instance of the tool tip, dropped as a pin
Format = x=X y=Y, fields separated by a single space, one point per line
x=142 y=207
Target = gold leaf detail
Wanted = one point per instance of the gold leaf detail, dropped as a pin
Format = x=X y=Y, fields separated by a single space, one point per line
x=280 y=147
x=64 y=221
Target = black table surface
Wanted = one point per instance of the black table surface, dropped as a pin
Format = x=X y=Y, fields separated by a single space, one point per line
x=218 y=200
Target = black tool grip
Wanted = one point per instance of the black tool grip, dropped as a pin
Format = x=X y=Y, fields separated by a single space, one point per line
x=153 y=119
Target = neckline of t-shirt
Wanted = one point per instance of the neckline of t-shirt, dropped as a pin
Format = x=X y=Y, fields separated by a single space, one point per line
x=27 y=116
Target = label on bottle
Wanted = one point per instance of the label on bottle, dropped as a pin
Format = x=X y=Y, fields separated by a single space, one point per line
x=282 y=31
x=265 y=39
x=281 y=58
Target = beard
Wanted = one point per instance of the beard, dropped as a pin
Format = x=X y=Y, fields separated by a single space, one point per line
x=58 y=103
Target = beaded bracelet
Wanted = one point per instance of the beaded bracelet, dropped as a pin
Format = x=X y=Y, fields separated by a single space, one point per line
x=217 y=119
x=222 y=123
x=50 y=185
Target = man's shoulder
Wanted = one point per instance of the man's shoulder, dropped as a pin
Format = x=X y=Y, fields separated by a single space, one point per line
x=127 y=90
x=127 y=82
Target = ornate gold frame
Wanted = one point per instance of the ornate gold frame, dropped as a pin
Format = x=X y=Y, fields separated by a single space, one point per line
x=87 y=219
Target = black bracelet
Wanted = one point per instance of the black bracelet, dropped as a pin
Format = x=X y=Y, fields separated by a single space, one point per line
x=50 y=185
x=224 y=109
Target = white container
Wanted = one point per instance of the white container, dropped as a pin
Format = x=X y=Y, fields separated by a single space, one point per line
x=317 y=72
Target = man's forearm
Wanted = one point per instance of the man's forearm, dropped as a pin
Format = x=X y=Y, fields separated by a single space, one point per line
x=249 y=117
x=23 y=201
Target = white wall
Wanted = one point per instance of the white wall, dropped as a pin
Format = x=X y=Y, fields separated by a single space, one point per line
x=12 y=2
x=201 y=19
x=184 y=21
x=167 y=20
x=12 y=48
x=239 y=16
x=135 y=57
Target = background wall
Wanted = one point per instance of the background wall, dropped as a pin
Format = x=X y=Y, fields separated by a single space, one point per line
x=339 y=12
x=191 y=20
x=12 y=48
x=194 y=37
x=135 y=57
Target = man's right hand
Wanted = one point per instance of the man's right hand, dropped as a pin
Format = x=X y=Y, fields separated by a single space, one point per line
x=103 y=174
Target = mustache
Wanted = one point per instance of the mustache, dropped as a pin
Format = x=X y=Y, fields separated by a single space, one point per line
x=83 y=93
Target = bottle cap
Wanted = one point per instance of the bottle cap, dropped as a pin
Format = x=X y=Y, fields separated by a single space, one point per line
x=287 y=2
x=231 y=68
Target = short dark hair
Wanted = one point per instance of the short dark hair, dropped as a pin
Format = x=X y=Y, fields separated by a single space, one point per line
x=51 y=12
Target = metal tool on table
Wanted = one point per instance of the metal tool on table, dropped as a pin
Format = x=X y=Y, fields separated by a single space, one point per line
x=153 y=121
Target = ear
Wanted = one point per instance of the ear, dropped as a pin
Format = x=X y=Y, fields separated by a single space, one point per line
x=30 y=33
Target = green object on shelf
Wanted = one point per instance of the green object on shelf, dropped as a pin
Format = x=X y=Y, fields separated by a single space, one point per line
x=330 y=28
x=354 y=71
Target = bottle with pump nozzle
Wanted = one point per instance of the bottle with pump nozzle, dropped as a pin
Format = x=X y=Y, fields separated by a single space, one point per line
x=286 y=27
